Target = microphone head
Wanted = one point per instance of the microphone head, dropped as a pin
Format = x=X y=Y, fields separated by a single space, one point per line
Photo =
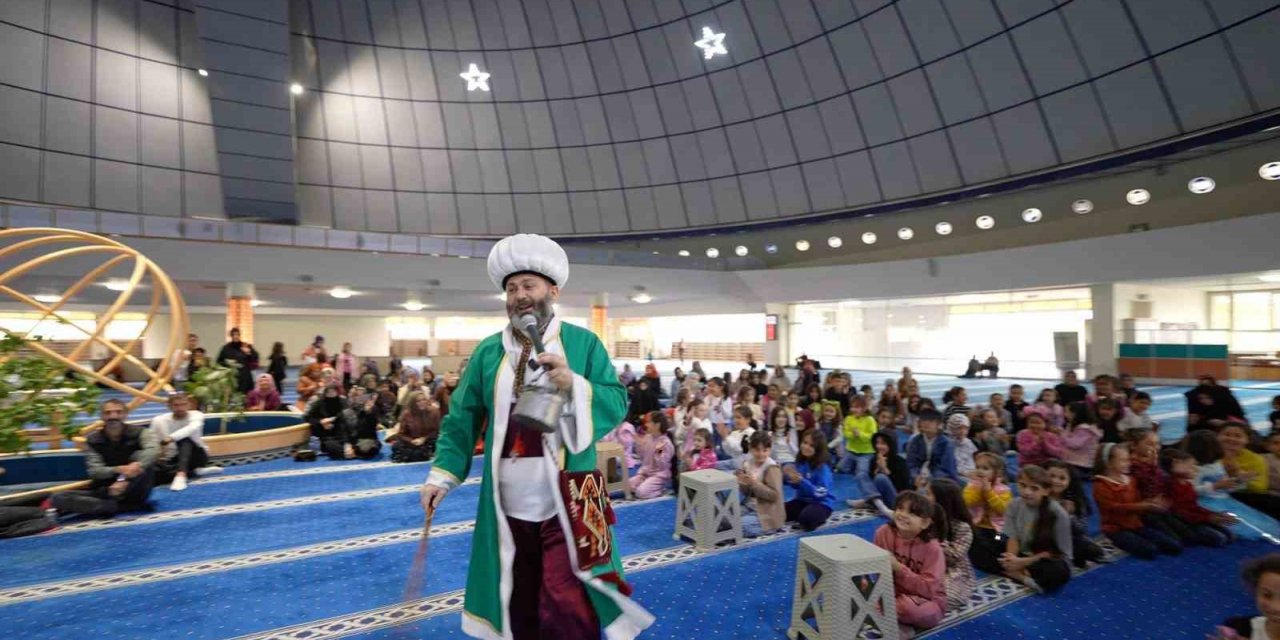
x=528 y=322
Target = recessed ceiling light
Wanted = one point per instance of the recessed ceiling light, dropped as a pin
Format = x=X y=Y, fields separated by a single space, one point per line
x=117 y=285
x=1200 y=185
x=295 y=89
x=47 y=298
x=1032 y=215
x=203 y=73
x=869 y=237
x=255 y=303
x=906 y=233
x=341 y=293
x=943 y=228
x=740 y=250
x=641 y=298
x=771 y=248
x=684 y=253
x=414 y=305
x=985 y=222
x=1082 y=206
x=713 y=252
x=1138 y=197
x=835 y=242
x=712 y=44
x=1270 y=277
x=802 y=245
x=1270 y=171
x=464 y=257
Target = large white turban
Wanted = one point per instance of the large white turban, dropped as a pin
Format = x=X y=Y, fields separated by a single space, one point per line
x=528 y=252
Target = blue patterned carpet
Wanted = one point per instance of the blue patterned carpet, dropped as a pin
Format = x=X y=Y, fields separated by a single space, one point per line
x=290 y=550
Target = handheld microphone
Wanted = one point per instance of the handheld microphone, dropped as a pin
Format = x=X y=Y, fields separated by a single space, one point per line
x=529 y=324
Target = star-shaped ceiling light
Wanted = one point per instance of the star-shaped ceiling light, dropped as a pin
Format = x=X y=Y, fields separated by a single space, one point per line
x=476 y=79
x=712 y=44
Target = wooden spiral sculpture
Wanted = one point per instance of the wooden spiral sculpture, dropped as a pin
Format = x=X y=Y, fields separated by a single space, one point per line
x=23 y=252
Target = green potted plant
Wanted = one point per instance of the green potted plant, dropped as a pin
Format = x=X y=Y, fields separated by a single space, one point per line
x=213 y=386
x=36 y=392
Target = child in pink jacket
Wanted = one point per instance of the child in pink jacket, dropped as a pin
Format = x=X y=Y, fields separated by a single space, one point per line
x=655 y=449
x=919 y=566
x=1038 y=444
x=625 y=435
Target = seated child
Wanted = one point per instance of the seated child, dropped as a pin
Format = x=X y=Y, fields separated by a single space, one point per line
x=1038 y=551
x=858 y=429
x=1262 y=575
x=919 y=565
x=625 y=435
x=703 y=454
x=994 y=436
x=831 y=424
x=1037 y=444
x=930 y=453
x=760 y=482
x=987 y=497
x=956 y=539
x=1208 y=528
x=1080 y=438
x=784 y=437
x=811 y=479
x=1065 y=488
x=1214 y=486
x=1272 y=443
x=1108 y=420
x=965 y=448
x=655 y=449
x=1120 y=507
x=735 y=442
x=889 y=475
x=1136 y=417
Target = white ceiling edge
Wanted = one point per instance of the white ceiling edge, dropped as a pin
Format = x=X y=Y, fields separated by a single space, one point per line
x=1233 y=246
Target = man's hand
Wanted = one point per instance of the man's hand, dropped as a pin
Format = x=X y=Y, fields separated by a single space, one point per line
x=558 y=370
x=117 y=489
x=131 y=470
x=431 y=497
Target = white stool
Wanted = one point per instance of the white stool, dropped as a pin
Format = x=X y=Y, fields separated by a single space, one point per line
x=844 y=590
x=606 y=451
x=708 y=510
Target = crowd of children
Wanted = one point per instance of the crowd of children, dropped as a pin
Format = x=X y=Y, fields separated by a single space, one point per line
x=950 y=497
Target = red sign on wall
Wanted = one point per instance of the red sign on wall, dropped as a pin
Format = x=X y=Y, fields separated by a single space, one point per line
x=771 y=328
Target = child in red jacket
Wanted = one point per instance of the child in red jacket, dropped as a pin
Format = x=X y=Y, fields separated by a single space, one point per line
x=1209 y=527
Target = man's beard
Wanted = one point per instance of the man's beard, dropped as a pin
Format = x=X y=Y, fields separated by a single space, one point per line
x=541 y=310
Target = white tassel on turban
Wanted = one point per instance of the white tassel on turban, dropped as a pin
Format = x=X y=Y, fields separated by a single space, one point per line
x=528 y=252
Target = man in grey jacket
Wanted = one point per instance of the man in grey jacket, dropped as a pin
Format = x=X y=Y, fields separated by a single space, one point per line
x=120 y=459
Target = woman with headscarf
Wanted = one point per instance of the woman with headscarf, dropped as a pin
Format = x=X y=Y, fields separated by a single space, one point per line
x=310 y=381
x=444 y=392
x=655 y=381
x=264 y=396
x=332 y=423
x=365 y=434
x=414 y=438
x=1211 y=405
x=677 y=382
x=385 y=401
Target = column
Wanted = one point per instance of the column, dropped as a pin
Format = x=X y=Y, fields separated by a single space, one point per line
x=600 y=318
x=1100 y=332
x=778 y=350
x=240 y=309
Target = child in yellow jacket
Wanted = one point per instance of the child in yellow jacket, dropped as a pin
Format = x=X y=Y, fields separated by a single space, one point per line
x=858 y=428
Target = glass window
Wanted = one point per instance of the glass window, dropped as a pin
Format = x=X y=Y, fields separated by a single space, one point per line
x=1251 y=311
x=1220 y=311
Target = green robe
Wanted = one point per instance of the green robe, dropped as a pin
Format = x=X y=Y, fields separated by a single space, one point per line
x=598 y=402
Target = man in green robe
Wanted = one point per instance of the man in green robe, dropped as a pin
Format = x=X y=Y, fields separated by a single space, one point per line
x=525 y=580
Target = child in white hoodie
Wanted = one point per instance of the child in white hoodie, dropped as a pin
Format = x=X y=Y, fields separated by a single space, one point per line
x=735 y=442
